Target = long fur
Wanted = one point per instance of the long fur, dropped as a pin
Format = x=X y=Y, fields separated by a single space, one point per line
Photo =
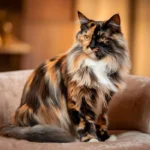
x=38 y=133
x=68 y=96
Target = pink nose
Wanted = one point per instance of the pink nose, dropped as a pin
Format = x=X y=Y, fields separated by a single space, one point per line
x=96 y=49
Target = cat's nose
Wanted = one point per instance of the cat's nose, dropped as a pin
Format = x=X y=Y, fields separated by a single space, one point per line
x=96 y=49
x=92 y=44
x=92 y=47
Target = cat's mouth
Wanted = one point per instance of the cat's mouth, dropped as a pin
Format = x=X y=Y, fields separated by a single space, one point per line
x=100 y=52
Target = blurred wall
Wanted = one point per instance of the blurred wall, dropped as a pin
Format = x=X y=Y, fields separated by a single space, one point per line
x=141 y=38
x=50 y=26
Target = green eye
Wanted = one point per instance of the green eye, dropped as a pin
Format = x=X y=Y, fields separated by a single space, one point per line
x=86 y=37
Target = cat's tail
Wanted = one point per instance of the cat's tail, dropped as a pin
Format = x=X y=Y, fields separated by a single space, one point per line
x=38 y=133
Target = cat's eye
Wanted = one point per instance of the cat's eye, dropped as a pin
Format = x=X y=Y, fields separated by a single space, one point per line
x=103 y=38
x=86 y=37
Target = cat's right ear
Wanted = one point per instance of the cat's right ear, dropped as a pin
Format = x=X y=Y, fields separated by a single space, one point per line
x=83 y=19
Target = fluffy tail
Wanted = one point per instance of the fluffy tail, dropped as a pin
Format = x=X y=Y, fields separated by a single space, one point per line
x=38 y=133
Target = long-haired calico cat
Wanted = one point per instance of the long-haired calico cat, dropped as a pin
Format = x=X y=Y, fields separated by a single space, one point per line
x=66 y=97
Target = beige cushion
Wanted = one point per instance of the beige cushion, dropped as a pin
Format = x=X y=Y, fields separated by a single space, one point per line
x=127 y=141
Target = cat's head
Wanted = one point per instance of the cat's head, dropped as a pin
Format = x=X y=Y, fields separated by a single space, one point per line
x=101 y=38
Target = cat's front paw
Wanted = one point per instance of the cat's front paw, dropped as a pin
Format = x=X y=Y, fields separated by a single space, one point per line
x=112 y=138
x=93 y=140
x=104 y=135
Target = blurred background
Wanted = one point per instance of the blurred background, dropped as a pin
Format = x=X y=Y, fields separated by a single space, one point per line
x=34 y=30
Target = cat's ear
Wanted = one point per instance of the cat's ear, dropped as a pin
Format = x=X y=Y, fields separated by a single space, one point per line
x=115 y=19
x=114 y=23
x=83 y=19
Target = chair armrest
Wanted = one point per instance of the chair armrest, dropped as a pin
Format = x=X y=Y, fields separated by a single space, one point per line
x=130 y=108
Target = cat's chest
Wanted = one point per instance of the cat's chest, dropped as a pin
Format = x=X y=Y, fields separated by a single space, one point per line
x=100 y=70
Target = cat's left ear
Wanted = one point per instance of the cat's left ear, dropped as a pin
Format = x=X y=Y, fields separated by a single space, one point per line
x=114 y=23
x=115 y=19
x=83 y=19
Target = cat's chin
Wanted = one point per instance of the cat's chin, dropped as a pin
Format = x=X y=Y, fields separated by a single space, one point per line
x=90 y=53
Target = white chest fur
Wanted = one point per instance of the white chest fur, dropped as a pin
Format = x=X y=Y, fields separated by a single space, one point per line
x=100 y=69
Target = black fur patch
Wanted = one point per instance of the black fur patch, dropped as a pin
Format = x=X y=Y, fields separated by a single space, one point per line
x=89 y=127
x=31 y=120
x=102 y=136
x=32 y=96
x=114 y=76
x=54 y=58
x=107 y=98
x=86 y=109
x=82 y=133
x=74 y=116
x=63 y=88
x=93 y=96
x=62 y=85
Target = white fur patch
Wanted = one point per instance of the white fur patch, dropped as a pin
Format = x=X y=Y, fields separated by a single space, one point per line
x=93 y=140
x=112 y=138
x=100 y=70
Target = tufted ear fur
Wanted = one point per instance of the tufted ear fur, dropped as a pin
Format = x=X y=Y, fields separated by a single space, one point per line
x=83 y=19
x=115 y=19
x=114 y=23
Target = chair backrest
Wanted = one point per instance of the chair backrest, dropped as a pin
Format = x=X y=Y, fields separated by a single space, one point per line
x=11 y=87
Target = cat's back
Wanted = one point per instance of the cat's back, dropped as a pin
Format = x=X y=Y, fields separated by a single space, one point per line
x=42 y=94
x=48 y=71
